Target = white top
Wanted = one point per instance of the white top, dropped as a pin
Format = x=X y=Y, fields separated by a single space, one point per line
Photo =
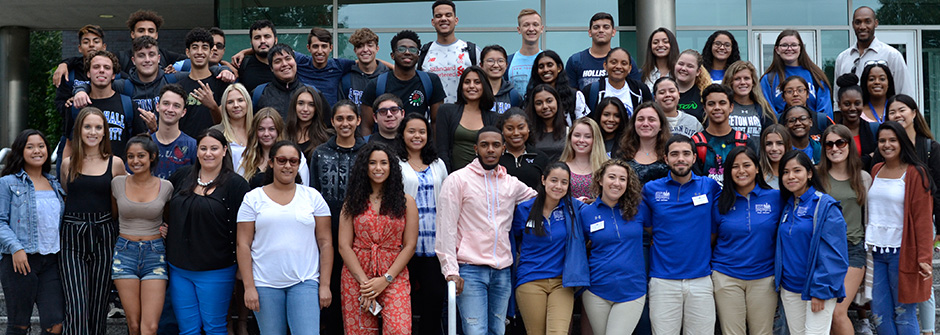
x=653 y=77
x=448 y=62
x=580 y=108
x=237 y=151
x=284 y=251
x=878 y=50
x=623 y=94
x=409 y=177
x=886 y=213
x=49 y=209
x=684 y=124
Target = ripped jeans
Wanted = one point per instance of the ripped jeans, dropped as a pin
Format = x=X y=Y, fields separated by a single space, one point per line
x=890 y=316
x=484 y=299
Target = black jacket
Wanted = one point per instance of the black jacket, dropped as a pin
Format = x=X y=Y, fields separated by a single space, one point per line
x=527 y=168
x=448 y=118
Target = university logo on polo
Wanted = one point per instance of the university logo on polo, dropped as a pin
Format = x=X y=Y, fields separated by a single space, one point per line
x=802 y=210
x=662 y=196
x=558 y=216
x=762 y=208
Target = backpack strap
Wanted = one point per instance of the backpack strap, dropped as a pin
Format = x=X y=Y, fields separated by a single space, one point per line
x=346 y=84
x=472 y=49
x=128 y=109
x=171 y=78
x=740 y=138
x=424 y=53
x=256 y=94
x=701 y=145
x=128 y=87
x=380 y=83
x=508 y=65
x=595 y=94
x=426 y=82
x=515 y=100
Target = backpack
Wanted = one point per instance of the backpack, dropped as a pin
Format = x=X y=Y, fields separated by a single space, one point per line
x=382 y=81
x=594 y=91
x=701 y=143
x=471 y=49
x=129 y=85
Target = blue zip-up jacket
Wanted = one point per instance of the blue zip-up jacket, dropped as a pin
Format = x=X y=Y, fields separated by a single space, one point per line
x=19 y=217
x=819 y=98
x=618 y=274
x=747 y=234
x=560 y=252
x=827 y=260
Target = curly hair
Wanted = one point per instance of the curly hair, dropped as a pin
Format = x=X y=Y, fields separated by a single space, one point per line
x=709 y=58
x=115 y=64
x=630 y=141
x=360 y=185
x=630 y=200
x=362 y=36
x=144 y=15
x=565 y=94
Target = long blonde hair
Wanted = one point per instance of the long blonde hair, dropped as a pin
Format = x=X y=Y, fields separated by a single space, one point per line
x=598 y=151
x=254 y=153
x=249 y=111
x=756 y=95
x=78 y=147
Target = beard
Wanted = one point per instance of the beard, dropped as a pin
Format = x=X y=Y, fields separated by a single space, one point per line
x=678 y=173
x=487 y=166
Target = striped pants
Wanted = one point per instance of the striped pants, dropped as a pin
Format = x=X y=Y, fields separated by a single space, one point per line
x=85 y=264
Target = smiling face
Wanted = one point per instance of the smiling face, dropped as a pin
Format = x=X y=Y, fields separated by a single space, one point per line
x=610 y=119
x=721 y=48
x=548 y=70
x=774 y=147
x=660 y=44
x=530 y=27
x=210 y=153
x=679 y=158
x=617 y=65
x=345 y=121
x=305 y=107
x=516 y=132
x=556 y=184
x=366 y=52
x=90 y=43
x=320 y=52
x=284 y=66
x=389 y=116
x=472 y=86
x=742 y=83
x=198 y=53
x=444 y=20
x=789 y=49
x=794 y=92
x=718 y=107
x=864 y=24
x=850 y=104
x=138 y=159
x=581 y=139
x=545 y=105
x=172 y=108
x=101 y=72
x=744 y=172
x=415 y=135
x=877 y=84
x=901 y=113
x=35 y=152
x=145 y=28
x=147 y=60
x=667 y=95
x=686 y=68
x=799 y=122
x=285 y=164
x=235 y=105
x=267 y=132
x=601 y=31
x=613 y=183
x=648 y=125
x=93 y=130
x=378 y=166
x=405 y=54
x=889 y=145
x=795 y=177
x=837 y=148
x=494 y=64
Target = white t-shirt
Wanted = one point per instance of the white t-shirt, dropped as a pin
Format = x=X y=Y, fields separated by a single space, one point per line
x=448 y=63
x=623 y=94
x=886 y=214
x=284 y=251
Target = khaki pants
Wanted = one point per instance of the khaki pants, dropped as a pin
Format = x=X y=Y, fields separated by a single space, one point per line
x=686 y=305
x=612 y=318
x=545 y=306
x=800 y=317
x=745 y=304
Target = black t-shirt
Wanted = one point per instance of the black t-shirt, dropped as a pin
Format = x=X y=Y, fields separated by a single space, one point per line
x=411 y=93
x=690 y=102
x=122 y=122
x=253 y=73
x=198 y=117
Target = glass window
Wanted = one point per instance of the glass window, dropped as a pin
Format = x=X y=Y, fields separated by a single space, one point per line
x=484 y=13
x=696 y=39
x=711 y=13
x=906 y=12
x=567 y=43
x=930 y=43
x=833 y=43
x=240 y=14
x=799 y=12
x=569 y=13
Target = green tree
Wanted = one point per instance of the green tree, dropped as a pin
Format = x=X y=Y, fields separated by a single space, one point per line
x=45 y=52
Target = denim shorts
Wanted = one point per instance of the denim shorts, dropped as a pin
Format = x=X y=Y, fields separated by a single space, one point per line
x=857 y=255
x=140 y=260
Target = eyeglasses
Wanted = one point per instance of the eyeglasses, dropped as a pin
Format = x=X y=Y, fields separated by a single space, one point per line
x=840 y=143
x=792 y=91
x=789 y=46
x=719 y=45
x=389 y=111
x=281 y=160
x=403 y=49
x=219 y=45
x=491 y=61
x=793 y=120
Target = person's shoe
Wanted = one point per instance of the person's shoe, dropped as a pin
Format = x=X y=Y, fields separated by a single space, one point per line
x=863 y=327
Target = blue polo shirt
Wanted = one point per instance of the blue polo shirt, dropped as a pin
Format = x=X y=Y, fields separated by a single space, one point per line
x=617 y=272
x=680 y=216
x=540 y=257
x=326 y=79
x=747 y=234
x=796 y=232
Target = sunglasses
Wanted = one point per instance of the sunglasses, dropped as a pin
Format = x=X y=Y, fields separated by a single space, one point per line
x=281 y=160
x=840 y=143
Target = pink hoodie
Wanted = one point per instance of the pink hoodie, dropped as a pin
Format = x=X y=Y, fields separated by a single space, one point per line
x=474 y=215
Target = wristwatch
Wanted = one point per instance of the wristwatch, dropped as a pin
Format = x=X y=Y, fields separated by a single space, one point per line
x=389 y=278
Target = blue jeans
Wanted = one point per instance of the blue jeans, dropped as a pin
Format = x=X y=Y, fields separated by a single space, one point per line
x=142 y=260
x=484 y=299
x=890 y=316
x=291 y=306
x=201 y=299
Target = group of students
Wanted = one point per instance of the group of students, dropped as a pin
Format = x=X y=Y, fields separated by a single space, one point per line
x=690 y=190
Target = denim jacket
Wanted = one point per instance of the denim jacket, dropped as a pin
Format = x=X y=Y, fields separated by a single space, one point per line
x=19 y=227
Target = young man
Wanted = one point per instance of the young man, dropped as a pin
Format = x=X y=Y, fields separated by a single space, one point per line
x=868 y=48
x=716 y=141
x=520 y=63
x=215 y=57
x=204 y=91
x=176 y=149
x=91 y=39
x=447 y=56
x=388 y=114
x=278 y=92
x=677 y=211
x=474 y=212
x=587 y=66
x=255 y=70
x=354 y=83
x=422 y=92
x=320 y=69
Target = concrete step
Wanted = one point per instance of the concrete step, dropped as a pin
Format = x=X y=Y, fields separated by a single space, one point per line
x=115 y=326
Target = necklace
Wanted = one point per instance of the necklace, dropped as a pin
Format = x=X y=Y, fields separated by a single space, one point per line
x=200 y=183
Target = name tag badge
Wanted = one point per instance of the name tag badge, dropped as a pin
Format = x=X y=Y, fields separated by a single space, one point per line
x=700 y=200
x=597 y=226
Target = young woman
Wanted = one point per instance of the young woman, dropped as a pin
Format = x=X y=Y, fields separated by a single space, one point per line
x=422 y=175
x=720 y=51
x=796 y=93
x=31 y=207
x=139 y=269
x=790 y=59
x=750 y=113
x=306 y=123
x=643 y=144
x=89 y=229
x=850 y=107
x=746 y=218
x=899 y=235
x=237 y=114
x=799 y=122
x=458 y=123
x=378 y=232
x=616 y=84
x=548 y=124
x=495 y=65
x=268 y=129
x=615 y=299
x=774 y=143
x=666 y=92
x=691 y=79
x=548 y=68
x=811 y=260
x=521 y=159
x=584 y=153
x=201 y=224
x=877 y=87
x=611 y=116
x=551 y=255
x=662 y=52
x=842 y=175
x=285 y=248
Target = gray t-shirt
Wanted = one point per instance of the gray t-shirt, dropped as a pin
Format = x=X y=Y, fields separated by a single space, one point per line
x=749 y=119
x=685 y=124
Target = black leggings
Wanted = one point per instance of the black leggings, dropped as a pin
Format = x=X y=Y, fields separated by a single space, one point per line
x=41 y=287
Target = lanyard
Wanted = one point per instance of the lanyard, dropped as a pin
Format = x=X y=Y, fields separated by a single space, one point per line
x=875 y=113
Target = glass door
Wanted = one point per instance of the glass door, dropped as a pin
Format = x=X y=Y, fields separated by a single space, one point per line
x=763 y=52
